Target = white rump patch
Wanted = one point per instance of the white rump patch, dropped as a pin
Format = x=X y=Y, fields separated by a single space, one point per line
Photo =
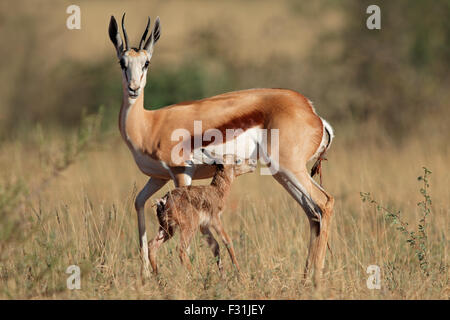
x=325 y=143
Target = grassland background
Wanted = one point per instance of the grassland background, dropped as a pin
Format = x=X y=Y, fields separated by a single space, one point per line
x=385 y=93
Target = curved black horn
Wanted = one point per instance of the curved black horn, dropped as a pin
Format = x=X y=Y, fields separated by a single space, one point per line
x=144 y=36
x=125 y=36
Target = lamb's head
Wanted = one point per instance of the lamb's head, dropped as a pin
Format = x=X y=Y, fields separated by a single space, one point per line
x=238 y=165
x=232 y=164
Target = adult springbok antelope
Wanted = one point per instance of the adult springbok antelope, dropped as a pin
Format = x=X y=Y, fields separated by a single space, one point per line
x=302 y=135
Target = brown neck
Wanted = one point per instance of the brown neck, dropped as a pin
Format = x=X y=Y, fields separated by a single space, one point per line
x=131 y=116
x=222 y=180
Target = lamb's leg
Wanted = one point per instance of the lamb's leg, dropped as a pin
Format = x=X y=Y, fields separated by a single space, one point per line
x=154 y=245
x=185 y=240
x=213 y=245
x=217 y=225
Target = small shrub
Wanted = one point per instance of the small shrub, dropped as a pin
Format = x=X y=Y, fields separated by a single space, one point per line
x=416 y=239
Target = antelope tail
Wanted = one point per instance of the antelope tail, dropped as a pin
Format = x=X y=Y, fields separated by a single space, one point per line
x=327 y=138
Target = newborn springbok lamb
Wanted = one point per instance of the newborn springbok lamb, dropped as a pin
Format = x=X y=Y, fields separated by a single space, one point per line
x=190 y=207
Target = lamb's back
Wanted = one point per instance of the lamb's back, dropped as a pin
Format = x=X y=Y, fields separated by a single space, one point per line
x=199 y=198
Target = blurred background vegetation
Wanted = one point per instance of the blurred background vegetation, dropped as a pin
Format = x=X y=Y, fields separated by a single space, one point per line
x=396 y=77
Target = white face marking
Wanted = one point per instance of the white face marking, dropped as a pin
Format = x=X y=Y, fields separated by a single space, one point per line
x=134 y=71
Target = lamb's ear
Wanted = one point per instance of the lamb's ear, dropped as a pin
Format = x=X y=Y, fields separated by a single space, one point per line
x=154 y=37
x=115 y=37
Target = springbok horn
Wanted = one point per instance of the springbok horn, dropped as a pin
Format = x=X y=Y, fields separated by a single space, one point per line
x=144 y=36
x=125 y=36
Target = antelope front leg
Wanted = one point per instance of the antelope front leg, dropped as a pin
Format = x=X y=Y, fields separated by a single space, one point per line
x=149 y=189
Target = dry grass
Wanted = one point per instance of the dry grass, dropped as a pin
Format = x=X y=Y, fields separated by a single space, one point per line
x=86 y=217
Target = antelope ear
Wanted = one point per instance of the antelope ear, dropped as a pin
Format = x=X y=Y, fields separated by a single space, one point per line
x=115 y=37
x=154 y=37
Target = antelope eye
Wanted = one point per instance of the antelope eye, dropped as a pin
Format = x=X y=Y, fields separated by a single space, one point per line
x=122 y=64
x=146 y=64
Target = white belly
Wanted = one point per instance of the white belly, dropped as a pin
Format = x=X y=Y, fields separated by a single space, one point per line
x=150 y=166
x=244 y=146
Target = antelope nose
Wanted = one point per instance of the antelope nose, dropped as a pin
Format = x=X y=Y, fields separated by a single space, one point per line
x=133 y=89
